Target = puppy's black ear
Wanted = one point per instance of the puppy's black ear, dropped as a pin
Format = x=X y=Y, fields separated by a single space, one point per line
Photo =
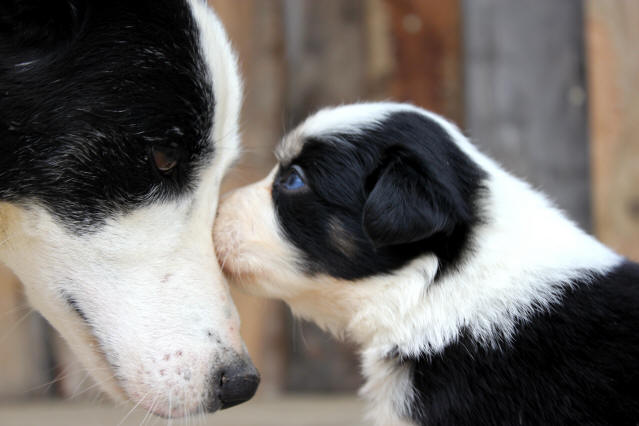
x=406 y=203
x=39 y=24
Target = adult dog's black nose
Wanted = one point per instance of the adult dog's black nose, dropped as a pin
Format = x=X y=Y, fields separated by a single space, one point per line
x=238 y=384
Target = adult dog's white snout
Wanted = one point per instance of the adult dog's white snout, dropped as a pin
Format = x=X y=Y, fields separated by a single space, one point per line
x=185 y=354
x=155 y=324
x=177 y=384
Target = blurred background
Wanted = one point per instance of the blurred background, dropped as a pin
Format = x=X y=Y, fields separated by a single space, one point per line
x=549 y=88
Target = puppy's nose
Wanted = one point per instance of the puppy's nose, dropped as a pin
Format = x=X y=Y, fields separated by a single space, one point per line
x=238 y=384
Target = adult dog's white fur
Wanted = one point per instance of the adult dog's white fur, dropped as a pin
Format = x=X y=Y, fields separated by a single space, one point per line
x=161 y=317
x=513 y=269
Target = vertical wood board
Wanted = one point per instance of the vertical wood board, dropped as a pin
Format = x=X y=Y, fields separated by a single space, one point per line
x=613 y=59
x=426 y=38
x=526 y=94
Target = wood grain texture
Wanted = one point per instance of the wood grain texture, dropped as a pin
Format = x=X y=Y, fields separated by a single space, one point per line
x=325 y=54
x=613 y=59
x=525 y=94
x=426 y=40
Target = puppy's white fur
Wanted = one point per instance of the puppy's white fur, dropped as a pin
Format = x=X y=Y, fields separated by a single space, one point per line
x=521 y=260
x=160 y=315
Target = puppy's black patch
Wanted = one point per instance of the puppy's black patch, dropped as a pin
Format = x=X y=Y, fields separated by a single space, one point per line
x=376 y=200
x=575 y=363
x=86 y=94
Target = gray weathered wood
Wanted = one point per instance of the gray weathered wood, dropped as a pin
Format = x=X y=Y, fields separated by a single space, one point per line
x=525 y=93
x=326 y=54
x=326 y=58
x=613 y=64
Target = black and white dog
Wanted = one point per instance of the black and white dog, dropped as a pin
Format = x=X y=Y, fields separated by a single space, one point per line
x=118 y=119
x=475 y=301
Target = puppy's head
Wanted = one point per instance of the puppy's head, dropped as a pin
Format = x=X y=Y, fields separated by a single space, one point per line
x=118 y=120
x=360 y=192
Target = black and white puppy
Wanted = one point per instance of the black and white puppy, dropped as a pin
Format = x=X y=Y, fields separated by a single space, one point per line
x=475 y=301
x=118 y=119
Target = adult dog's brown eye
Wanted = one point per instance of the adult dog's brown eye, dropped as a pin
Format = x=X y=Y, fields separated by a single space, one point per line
x=165 y=159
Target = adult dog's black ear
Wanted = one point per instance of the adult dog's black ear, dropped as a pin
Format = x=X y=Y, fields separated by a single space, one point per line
x=407 y=202
x=38 y=25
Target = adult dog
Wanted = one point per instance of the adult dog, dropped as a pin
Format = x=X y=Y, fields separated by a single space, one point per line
x=118 y=120
x=475 y=301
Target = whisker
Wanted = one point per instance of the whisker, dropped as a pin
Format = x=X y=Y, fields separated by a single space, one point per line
x=200 y=410
x=79 y=385
x=151 y=409
x=47 y=385
x=6 y=240
x=11 y=237
x=62 y=377
x=170 y=419
x=132 y=409
x=184 y=405
x=99 y=398
x=15 y=326
x=15 y=309
x=93 y=386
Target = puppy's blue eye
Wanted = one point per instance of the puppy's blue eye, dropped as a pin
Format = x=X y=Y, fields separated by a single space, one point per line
x=294 y=179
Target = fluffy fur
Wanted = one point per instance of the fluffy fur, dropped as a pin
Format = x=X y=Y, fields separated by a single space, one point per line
x=113 y=250
x=474 y=299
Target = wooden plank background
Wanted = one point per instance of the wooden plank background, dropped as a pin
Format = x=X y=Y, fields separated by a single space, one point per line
x=613 y=59
x=427 y=46
x=526 y=94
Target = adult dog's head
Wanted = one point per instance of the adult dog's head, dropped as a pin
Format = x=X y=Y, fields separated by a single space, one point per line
x=118 y=120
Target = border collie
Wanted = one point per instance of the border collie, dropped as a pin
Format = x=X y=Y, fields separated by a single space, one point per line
x=118 y=119
x=473 y=299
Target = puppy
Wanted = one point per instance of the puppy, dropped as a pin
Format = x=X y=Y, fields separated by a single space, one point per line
x=474 y=300
x=118 y=120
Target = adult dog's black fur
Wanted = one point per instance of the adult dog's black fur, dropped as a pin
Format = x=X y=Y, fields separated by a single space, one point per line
x=93 y=76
